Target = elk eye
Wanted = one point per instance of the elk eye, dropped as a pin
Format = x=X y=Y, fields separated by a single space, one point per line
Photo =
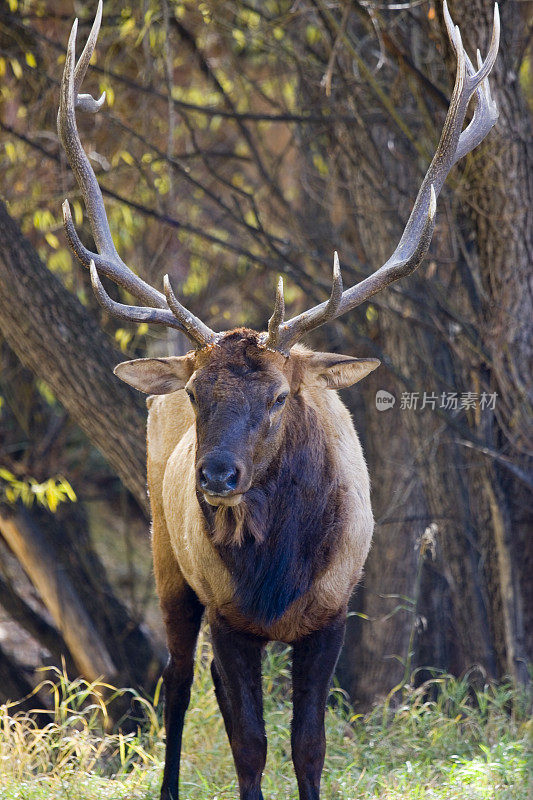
x=280 y=399
x=191 y=396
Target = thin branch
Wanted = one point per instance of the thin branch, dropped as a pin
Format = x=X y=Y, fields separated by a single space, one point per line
x=209 y=111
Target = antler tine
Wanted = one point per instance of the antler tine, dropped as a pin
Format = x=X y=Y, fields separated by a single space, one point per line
x=276 y=320
x=336 y=289
x=485 y=111
x=484 y=67
x=453 y=144
x=83 y=61
x=68 y=133
x=109 y=267
x=307 y=320
x=107 y=260
x=194 y=327
x=160 y=316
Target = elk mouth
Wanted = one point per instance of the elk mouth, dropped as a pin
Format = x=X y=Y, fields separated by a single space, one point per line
x=222 y=500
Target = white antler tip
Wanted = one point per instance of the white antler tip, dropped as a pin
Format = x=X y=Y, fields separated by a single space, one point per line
x=497 y=21
x=95 y=278
x=280 y=285
x=169 y=292
x=432 y=203
x=71 y=47
x=98 y=19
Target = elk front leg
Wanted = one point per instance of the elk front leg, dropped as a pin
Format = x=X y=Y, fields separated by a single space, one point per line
x=314 y=659
x=183 y=616
x=236 y=671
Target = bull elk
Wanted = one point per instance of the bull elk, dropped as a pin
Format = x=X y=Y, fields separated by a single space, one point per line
x=258 y=486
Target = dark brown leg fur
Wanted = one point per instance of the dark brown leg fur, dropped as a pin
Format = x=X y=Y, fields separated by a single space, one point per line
x=314 y=659
x=236 y=671
x=182 y=619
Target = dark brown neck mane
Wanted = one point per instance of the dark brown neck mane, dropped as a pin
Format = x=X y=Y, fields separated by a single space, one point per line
x=280 y=537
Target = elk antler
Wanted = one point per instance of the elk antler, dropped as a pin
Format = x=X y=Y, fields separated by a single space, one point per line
x=414 y=243
x=168 y=311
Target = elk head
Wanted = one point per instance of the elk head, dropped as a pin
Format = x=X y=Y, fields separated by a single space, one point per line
x=241 y=383
x=243 y=396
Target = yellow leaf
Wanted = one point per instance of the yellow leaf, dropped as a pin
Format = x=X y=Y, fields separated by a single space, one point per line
x=78 y=213
x=109 y=94
x=52 y=240
x=320 y=164
x=69 y=491
x=2 y=67
x=60 y=262
x=312 y=34
x=30 y=60
x=158 y=691
x=127 y=27
x=51 y=499
x=371 y=313
x=239 y=37
x=123 y=338
x=26 y=495
x=121 y=747
x=17 y=69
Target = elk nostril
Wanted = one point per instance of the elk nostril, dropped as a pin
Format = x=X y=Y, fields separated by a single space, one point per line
x=204 y=480
x=232 y=478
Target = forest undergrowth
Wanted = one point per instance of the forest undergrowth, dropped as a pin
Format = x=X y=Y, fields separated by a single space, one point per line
x=443 y=740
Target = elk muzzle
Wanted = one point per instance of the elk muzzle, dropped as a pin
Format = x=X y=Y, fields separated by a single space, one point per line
x=219 y=476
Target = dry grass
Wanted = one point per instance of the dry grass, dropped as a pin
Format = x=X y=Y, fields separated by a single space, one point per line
x=455 y=746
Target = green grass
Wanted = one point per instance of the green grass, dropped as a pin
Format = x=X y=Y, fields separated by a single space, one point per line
x=458 y=745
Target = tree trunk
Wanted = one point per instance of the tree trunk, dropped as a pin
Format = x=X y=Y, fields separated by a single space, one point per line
x=15 y=686
x=61 y=343
x=41 y=630
x=59 y=595
x=475 y=604
x=102 y=637
x=503 y=221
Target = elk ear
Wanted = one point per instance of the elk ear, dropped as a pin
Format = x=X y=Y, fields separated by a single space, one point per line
x=332 y=371
x=156 y=375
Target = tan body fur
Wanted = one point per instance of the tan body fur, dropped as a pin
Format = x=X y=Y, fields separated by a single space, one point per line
x=182 y=547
